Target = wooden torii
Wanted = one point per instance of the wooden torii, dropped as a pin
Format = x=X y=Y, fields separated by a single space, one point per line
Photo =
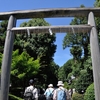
x=49 y=13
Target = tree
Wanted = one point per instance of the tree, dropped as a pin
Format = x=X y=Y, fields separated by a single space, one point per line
x=0 y=58
x=37 y=45
x=97 y=19
x=79 y=44
x=23 y=68
x=77 y=96
x=83 y=81
x=61 y=74
x=75 y=40
x=89 y=94
x=76 y=51
x=3 y=28
x=65 y=70
x=52 y=73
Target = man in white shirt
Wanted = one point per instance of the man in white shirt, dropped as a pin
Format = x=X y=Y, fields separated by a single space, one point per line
x=33 y=90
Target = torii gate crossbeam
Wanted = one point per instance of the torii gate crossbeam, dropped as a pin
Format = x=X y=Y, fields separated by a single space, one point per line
x=50 y=13
x=55 y=29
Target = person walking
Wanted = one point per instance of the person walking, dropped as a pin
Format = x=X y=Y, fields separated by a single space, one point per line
x=61 y=93
x=49 y=92
x=31 y=93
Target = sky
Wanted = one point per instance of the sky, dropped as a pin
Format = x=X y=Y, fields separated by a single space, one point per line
x=61 y=56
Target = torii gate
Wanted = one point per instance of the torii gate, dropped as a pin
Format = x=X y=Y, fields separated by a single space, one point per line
x=44 y=13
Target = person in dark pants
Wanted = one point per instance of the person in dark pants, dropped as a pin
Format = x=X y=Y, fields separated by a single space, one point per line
x=41 y=94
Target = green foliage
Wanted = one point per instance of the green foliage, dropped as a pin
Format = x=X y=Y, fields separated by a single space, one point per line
x=76 y=51
x=64 y=71
x=23 y=67
x=85 y=77
x=78 y=42
x=61 y=74
x=3 y=28
x=89 y=94
x=0 y=59
x=80 y=50
x=24 y=61
x=83 y=81
x=38 y=46
x=68 y=67
x=77 y=96
x=52 y=73
x=76 y=68
x=66 y=85
x=97 y=19
x=97 y=3
x=13 y=97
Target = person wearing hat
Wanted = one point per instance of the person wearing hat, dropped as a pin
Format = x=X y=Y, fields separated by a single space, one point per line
x=49 y=92
x=57 y=95
x=31 y=89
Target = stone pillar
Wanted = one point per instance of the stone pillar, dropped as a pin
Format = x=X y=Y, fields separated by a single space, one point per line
x=95 y=55
x=7 y=57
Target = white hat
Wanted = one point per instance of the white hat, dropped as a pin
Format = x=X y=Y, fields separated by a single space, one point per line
x=60 y=83
x=50 y=85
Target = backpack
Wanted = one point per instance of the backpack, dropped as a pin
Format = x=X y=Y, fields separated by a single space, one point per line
x=61 y=94
x=50 y=95
x=29 y=95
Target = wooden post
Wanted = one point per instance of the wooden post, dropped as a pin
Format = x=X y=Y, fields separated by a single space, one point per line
x=95 y=54
x=6 y=63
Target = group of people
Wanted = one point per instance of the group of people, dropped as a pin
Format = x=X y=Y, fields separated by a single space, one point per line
x=51 y=93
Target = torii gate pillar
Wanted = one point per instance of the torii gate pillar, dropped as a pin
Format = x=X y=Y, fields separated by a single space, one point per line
x=7 y=57
x=95 y=54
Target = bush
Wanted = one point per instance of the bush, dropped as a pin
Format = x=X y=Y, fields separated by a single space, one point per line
x=77 y=96
x=13 y=97
x=89 y=94
x=18 y=91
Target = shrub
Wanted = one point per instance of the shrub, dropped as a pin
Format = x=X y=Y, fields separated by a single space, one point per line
x=13 y=97
x=89 y=94
x=77 y=96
